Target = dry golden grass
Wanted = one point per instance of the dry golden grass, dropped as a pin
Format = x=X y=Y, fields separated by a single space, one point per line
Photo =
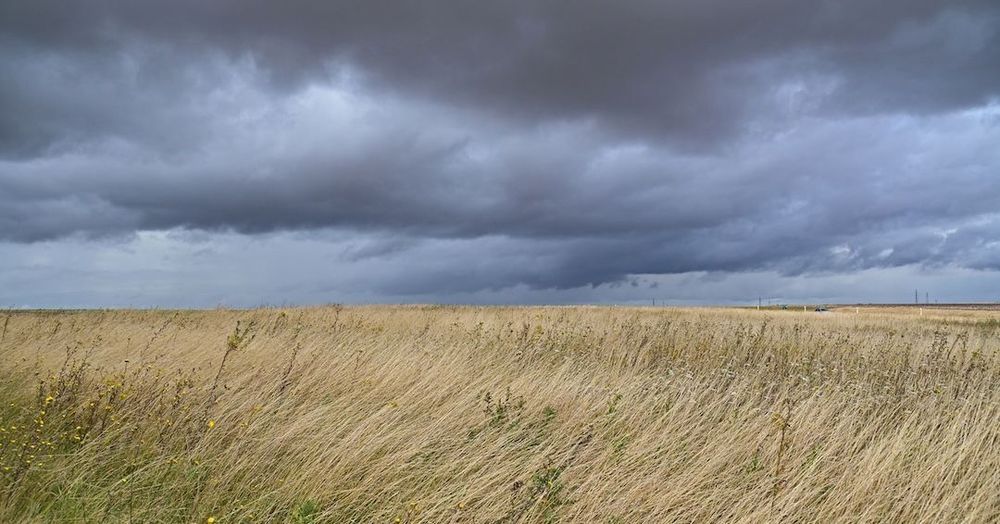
x=438 y=414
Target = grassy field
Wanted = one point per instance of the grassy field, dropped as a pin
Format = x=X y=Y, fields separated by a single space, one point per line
x=440 y=414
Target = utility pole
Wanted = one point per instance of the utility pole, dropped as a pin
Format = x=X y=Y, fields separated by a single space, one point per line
x=758 y=303
x=916 y=297
x=927 y=298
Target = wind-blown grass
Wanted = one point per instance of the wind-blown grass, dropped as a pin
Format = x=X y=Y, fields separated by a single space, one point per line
x=437 y=414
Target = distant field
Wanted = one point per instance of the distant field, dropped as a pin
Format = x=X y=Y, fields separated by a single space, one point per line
x=917 y=307
x=870 y=308
x=443 y=414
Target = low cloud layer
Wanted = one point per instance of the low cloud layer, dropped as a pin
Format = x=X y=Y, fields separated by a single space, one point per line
x=452 y=151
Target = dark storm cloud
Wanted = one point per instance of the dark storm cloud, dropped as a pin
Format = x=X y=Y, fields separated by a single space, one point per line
x=590 y=140
x=690 y=70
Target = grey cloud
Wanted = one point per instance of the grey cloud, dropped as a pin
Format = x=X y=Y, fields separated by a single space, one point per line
x=588 y=215
x=550 y=145
x=165 y=270
x=651 y=68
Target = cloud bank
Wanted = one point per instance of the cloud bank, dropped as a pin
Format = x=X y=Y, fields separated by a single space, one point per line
x=454 y=151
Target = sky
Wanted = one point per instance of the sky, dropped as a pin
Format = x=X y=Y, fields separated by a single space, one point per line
x=243 y=153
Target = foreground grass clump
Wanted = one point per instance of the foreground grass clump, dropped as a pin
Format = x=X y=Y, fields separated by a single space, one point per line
x=431 y=414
